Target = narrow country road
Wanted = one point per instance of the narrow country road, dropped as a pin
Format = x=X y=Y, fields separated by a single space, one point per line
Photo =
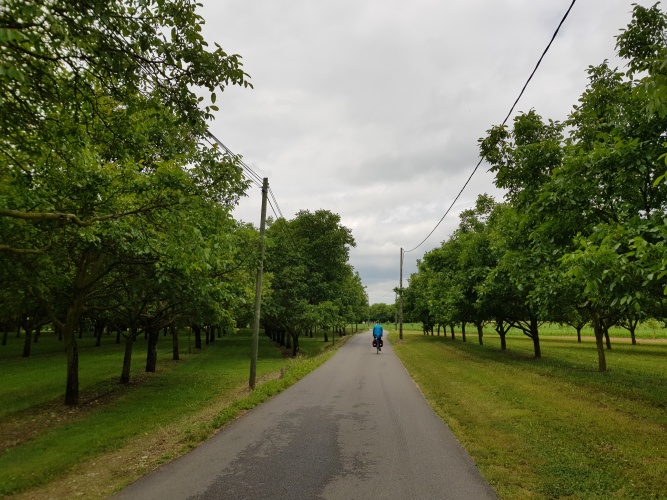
x=355 y=428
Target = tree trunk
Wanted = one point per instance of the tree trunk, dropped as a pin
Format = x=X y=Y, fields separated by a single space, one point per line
x=480 y=333
x=451 y=329
x=197 y=330
x=99 y=329
x=174 y=343
x=127 y=358
x=326 y=338
x=27 y=344
x=502 y=332
x=535 y=335
x=463 y=331
x=69 y=327
x=151 y=353
x=38 y=332
x=599 y=341
x=605 y=329
x=295 y=344
x=72 y=388
x=579 y=334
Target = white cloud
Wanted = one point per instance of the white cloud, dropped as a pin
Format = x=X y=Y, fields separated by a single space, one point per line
x=372 y=108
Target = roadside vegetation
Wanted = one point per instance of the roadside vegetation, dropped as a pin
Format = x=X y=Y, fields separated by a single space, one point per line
x=116 y=203
x=581 y=235
x=116 y=231
x=119 y=432
x=555 y=427
x=117 y=235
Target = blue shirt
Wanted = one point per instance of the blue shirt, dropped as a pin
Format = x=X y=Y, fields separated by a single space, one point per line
x=377 y=331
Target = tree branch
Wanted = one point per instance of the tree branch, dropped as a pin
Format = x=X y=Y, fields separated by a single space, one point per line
x=63 y=217
x=24 y=251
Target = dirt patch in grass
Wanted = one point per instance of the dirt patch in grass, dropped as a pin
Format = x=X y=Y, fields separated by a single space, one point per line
x=24 y=426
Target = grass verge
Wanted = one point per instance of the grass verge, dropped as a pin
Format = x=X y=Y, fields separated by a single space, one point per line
x=119 y=433
x=550 y=428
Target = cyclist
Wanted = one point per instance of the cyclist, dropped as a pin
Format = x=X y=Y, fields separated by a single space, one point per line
x=377 y=333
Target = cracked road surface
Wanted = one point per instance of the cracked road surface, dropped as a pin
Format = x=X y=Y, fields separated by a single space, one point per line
x=355 y=428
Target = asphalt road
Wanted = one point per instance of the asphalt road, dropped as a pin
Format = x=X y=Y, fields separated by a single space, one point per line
x=355 y=428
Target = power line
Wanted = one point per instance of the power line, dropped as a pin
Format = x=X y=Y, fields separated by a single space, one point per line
x=252 y=175
x=450 y=207
x=540 y=60
x=290 y=240
x=276 y=202
x=504 y=121
x=249 y=172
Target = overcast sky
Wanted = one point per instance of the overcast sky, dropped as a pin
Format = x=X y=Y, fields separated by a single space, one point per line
x=372 y=108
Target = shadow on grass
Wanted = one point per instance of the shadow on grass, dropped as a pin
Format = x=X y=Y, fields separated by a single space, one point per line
x=634 y=372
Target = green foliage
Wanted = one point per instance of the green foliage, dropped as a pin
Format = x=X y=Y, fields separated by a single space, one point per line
x=581 y=235
x=112 y=205
x=313 y=285
x=384 y=313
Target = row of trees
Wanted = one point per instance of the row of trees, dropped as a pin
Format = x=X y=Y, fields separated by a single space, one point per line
x=581 y=235
x=384 y=313
x=115 y=209
x=313 y=287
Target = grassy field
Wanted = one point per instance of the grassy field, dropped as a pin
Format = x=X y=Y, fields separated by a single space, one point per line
x=120 y=432
x=555 y=427
x=650 y=330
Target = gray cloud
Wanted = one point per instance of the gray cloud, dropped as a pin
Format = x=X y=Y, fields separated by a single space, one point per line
x=372 y=108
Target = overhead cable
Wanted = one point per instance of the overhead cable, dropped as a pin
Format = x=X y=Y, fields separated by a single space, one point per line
x=253 y=176
x=276 y=202
x=504 y=122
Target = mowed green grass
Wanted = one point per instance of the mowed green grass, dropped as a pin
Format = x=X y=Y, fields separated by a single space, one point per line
x=555 y=427
x=649 y=330
x=51 y=439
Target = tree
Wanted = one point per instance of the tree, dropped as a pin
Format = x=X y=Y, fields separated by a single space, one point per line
x=643 y=44
x=354 y=300
x=307 y=258
x=102 y=130
x=384 y=313
x=524 y=160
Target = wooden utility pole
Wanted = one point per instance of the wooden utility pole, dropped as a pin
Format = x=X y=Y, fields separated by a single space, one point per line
x=258 y=288
x=400 y=300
